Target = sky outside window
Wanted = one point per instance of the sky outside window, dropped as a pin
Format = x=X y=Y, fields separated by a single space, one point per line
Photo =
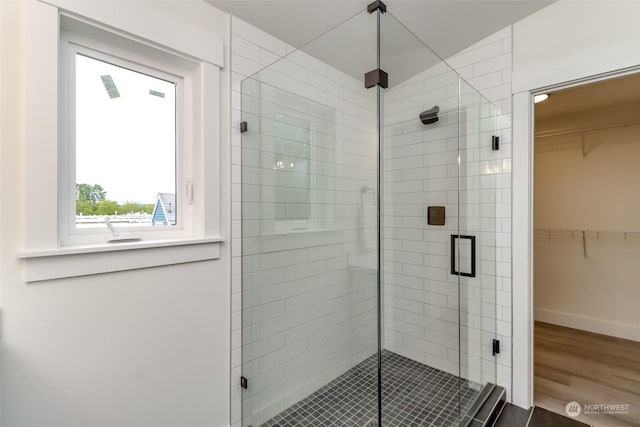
x=125 y=131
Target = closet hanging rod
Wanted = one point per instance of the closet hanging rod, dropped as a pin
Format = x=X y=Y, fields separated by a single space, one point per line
x=550 y=232
x=556 y=133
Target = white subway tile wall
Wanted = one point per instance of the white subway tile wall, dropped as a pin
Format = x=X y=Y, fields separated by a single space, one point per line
x=421 y=300
x=306 y=223
x=420 y=305
x=426 y=318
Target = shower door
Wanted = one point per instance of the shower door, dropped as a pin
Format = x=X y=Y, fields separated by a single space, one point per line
x=478 y=197
x=439 y=244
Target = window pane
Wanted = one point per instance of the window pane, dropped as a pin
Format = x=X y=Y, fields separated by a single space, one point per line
x=125 y=146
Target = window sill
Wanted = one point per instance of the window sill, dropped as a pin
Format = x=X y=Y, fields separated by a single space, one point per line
x=106 y=258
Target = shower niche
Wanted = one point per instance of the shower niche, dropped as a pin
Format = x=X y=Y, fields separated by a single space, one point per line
x=354 y=308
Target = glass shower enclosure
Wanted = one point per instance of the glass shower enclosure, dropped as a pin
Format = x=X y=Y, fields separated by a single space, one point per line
x=368 y=234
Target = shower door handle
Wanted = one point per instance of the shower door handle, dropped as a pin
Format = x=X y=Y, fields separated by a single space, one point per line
x=470 y=247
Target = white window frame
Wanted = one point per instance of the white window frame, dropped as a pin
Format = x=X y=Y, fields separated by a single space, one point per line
x=47 y=254
x=73 y=43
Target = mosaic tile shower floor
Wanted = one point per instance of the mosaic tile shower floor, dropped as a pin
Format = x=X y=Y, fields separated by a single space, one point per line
x=413 y=394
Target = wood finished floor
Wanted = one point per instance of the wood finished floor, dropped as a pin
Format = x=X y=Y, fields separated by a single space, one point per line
x=572 y=365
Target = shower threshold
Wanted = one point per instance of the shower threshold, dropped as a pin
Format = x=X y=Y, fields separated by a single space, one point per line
x=413 y=394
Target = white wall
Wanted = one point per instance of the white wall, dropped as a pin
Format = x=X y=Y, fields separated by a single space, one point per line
x=596 y=192
x=569 y=40
x=7 y=50
x=144 y=347
x=563 y=42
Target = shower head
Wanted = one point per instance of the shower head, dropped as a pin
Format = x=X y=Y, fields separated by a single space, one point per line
x=430 y=116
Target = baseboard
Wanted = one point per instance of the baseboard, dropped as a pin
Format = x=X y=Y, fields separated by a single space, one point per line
x=590 y=324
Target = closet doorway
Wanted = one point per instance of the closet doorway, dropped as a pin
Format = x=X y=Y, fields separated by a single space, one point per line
x=587 y=252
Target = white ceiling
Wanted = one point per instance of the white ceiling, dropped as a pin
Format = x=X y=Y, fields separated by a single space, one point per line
x=446 y=26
